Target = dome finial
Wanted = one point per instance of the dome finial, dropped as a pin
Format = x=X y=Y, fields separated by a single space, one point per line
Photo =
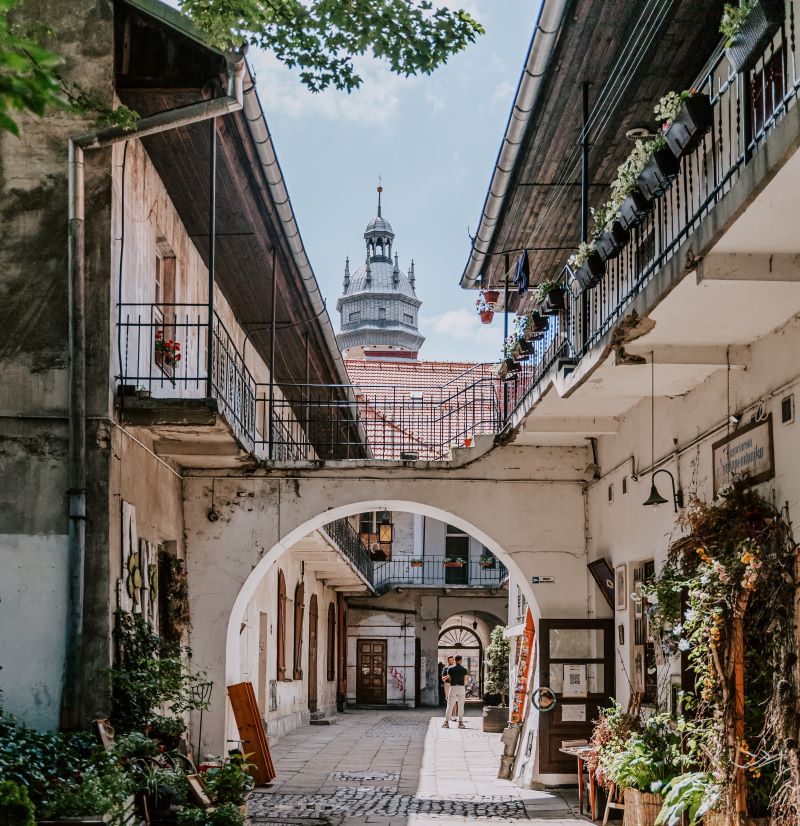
x=380 y=189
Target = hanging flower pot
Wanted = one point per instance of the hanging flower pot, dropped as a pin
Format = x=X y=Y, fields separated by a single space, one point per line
x=756 y=32
x=588 y=275
x=634 y=209
x=611 y=242
x=453 y=562
x=536 y=326
x=555 y=301
x=686 y=131
x=486 y=316
x=659 y=173
x=491 y=296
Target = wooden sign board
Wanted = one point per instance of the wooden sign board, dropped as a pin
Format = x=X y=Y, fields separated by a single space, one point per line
x=745 y=454
x=251 y=731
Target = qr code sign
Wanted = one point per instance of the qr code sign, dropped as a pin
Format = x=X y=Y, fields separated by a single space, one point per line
x=574 y=679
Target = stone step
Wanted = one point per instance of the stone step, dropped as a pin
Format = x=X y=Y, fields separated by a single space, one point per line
x=319 y=719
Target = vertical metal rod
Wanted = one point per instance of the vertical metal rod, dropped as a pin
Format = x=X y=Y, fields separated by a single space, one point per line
x=507 y=265
x=585 y=165
x=212 y=251
x=271 y=453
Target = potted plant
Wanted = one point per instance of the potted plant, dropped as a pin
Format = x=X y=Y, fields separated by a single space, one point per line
x=167 y=352
x=587 y=266
x=485 y=308
x=495 y=718
x=660 y=170
x=633 y=204
x=685 y=119
x=490 y=296
x=506 y=369
x=748 y=28
x=551 y=297
x=536 y=325
x=453 y=562
x=487 y=560
x=610 y=242
x=522 y=349
x=417 y=563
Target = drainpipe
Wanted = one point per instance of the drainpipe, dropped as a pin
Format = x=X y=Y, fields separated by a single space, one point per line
x=160 y=122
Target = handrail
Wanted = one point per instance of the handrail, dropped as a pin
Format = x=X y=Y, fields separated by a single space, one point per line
x=345 y=537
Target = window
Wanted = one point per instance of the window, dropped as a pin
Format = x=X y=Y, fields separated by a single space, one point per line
x=281 y=646
x=381 y=312
x=355 y=316
x=408 y=318
x=164 y=311
x=366 y=523
x=299 y=596
x=331 y=653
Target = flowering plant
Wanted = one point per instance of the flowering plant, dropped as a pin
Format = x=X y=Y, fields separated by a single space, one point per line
x=669 y=105
x=733 y=18
x=168 y=352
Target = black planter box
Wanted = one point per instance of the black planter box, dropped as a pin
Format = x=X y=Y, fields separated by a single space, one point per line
x=508 y=369
x=537 y=323
x=692 y=122
x=634 y=209
x=554 y=302
x=588 y=275
x=758 y=30
x=611 y=242
x=523 y=349
x=659 y=173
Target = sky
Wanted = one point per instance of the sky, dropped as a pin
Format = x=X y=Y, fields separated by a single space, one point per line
x=433 y=142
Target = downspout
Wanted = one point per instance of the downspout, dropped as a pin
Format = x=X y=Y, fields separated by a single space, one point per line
x=76 y=285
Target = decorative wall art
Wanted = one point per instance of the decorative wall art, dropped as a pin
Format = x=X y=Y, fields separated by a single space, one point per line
x=621 y=587
x=604 y=577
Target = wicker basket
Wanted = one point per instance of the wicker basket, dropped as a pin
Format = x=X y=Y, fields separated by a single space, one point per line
x=641 y=808
x=722 y=819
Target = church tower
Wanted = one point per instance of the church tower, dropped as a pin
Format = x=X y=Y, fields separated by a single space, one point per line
x=378 y=308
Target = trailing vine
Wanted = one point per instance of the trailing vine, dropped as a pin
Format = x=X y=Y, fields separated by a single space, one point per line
x=735 y=569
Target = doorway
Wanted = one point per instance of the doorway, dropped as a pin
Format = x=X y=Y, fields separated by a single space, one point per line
x=464 y=641
x=456 y=551
x=312 y=654
x=371 y=672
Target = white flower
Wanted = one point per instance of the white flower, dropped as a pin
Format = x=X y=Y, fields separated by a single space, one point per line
x=684 y=645
x=677 y=630
x=652 y=598
x=690 y=615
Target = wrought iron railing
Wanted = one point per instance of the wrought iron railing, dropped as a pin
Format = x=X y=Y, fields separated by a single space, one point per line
x=347 y=540
x=438 y=572
x=746 y=107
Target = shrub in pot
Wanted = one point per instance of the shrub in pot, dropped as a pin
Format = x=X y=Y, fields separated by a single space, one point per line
x=749 y=28
x=495 y=718
x=15 y=805
x=587 y=266
x=686 y=117
x=551 y=297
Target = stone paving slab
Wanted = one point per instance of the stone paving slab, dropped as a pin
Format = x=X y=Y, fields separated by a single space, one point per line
x=399 y=768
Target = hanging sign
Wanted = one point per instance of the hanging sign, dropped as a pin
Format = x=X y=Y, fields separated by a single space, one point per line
x=746 y=454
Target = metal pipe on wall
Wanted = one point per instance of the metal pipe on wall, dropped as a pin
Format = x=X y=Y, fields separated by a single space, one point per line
x=212 y=255
x=232 y=101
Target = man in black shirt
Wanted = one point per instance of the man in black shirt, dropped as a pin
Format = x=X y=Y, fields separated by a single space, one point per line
x=456 y=675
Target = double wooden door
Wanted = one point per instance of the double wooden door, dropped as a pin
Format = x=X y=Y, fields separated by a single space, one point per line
x=371 y=672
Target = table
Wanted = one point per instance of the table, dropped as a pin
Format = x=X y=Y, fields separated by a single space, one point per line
x=581 y=754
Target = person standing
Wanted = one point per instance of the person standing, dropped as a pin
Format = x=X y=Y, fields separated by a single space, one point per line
x=457 y=675
x=446 y=682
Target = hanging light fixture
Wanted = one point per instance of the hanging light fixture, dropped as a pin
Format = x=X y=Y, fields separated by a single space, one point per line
x=385 y=528
x=655 y=498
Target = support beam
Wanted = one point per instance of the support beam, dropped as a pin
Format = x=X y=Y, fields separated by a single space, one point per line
x=749 y=267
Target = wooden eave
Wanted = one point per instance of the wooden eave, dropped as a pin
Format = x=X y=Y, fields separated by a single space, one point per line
x=594 y=37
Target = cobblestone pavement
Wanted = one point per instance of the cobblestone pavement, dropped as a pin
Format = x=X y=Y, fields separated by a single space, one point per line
x=400 y=768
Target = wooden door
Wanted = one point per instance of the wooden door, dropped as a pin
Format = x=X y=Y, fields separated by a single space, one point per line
x=585 y=643
x=371 y=672
x=312 y=654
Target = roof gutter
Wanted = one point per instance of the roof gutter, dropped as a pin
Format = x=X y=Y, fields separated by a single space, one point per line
x=540 y=51
x=257 y=124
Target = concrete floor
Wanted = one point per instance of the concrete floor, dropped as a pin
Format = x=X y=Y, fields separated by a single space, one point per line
x=397 y=768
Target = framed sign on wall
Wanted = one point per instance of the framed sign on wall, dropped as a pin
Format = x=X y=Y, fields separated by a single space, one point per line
x=746 y=453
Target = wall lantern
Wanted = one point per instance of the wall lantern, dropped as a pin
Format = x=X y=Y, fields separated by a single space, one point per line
x=385 y=528
x=655 y=498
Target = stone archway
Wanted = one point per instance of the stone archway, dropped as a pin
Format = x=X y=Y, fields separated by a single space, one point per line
x=262 y=515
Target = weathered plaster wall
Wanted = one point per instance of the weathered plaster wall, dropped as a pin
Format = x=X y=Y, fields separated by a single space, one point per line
x=34 y=357
x=292 y=708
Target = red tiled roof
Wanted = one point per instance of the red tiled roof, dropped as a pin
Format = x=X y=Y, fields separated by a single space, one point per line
x=422 y=406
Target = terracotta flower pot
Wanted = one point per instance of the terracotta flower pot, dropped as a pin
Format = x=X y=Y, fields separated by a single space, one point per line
x=491 y=296
x=486 y=316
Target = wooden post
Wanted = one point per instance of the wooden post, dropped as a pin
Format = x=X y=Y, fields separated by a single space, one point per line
x=739 y=792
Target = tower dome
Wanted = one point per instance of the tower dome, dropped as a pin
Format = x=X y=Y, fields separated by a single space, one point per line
x=379 y=308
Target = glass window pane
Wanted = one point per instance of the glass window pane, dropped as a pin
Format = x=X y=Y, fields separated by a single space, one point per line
x=576 y=643
x=595 y=678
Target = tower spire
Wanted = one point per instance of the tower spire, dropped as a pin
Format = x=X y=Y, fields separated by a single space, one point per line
x=380 y=189
x=346 y=274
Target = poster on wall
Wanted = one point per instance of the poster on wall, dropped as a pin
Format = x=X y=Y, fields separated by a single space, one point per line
x=572 y=713
x=746 y=453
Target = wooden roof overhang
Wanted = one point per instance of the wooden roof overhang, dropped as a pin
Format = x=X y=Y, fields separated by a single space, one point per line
x=595 y=36
x=162 y=63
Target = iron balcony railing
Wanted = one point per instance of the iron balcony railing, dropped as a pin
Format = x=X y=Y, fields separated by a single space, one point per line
x=438 y=572
x=347 y=540
x=746 y=107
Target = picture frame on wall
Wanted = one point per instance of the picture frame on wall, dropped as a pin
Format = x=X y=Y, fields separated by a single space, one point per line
x=600 y=569
x=621 y=587
x=621 y=634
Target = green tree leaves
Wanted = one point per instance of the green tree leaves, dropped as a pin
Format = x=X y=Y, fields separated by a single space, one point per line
x=321 y=37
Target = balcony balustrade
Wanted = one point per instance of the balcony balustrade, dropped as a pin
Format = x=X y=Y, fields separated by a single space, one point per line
x=347 y=540
x=437 y=572
x=746 y=109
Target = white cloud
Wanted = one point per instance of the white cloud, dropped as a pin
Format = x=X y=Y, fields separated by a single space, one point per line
x=436 y=101
x=458 y=334
x=376 y=102
x=503 y=92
